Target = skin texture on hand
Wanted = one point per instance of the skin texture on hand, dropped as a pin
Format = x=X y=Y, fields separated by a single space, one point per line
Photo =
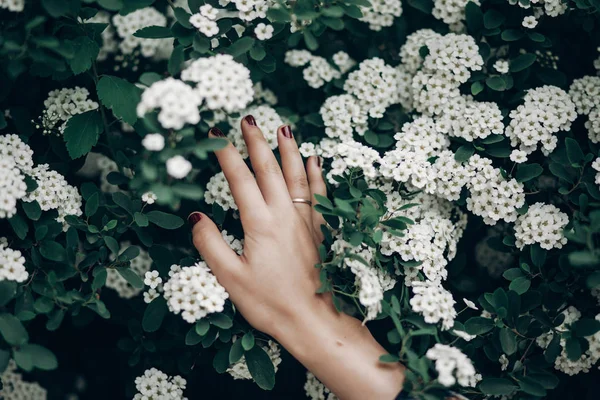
x=274 y=282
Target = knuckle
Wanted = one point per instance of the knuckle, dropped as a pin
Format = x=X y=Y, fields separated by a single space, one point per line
x=270 y=168
x=300 y=182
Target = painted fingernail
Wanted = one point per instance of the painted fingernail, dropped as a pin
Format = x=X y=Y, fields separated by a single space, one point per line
x=217 y=132
x=287 y=131
x=319 y=161
x=250 y=120
x=194 y=218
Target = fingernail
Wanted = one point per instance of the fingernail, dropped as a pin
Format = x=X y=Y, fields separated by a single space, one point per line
x=250 y=120
x=194 y=218
x=287 y=131
x=216 y=132
x=319 y=161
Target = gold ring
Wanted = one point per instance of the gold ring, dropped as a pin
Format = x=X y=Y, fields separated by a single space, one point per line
x=304 y=201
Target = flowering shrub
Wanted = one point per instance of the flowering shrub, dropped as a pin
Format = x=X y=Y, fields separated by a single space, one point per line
x=459 y=139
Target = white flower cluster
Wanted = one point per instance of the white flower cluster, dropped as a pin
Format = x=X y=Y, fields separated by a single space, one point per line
x=434 y=302
x=342 y=115
x=596 y=166
x=13 y=5
x=15 y=388
x=343 y=61
x=453 y=366
x=410 y=52
x=316 y=390
x=62 y=104
x=431 y=240
x=178 y=167
x=502 y=66
x=127 y=25
x=468 y=119
x=239 y=370
x=375 y=85
x=12 y=184
x=236 y=245
x=552 y=8
x=221 y=82
x=178 y=103
x=156 y=385
x=452 y=12
x=218 y=191
x=318 y=71
x=454 y=54
x=194 y=292
x=353 y=155
x=153 y=142
x=381 y=13
x=249 y=10
x=12 y=263
x=140 y=265
x=371 y=281
x=205 y=20
x=546 y=111
x=562 y=362
x=263 y=31
x=585 y=93
x=264 y=95
x=55 y=193
x=542 y=224
x=267 y=120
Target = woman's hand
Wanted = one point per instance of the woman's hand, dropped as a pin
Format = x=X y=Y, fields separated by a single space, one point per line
x=274 y=282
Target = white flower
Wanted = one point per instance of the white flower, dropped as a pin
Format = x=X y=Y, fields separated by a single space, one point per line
x=501 y=66
x=178 y=167
x=518 y=156
x=62 y=104
x=464 y=335
x=155 y=384
x=503 y=360
x=152 y=279
x=209 y=11
x=530 y=22
x=316 y=390
x=381 y=13
x=149 y=198
x=15 y=6
x=542 y=224
x=12 y=263
x=150 y=295
x=154 y=142
x=470 y=304
x=13 y=385
x=218 y=191
x=263 y=32
x=434 y=302
x=194 y=292
x=452 y=366
x=127 y=25
x=204 y=24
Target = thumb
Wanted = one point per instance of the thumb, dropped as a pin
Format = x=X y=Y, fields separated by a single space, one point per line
x=207 y=239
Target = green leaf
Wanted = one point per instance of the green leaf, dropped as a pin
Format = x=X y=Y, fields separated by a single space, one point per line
x=188 y=191
x=120 y=96
x=131 y=277
x=389 y=358
x=41 y=357
x=19 y=225
x=8 y=290
x=154 y=315
x=32 y=209
x=55 y=319
x=112 y=244
x=154 y=32
x=261 y=368
x=176 y=60
x=522 y=62
x=82 y=132
x=474 y=17
x=520 y=285
x=497 y=386
x=236 y=352
x=538 y=255
x=129 y=253
x=257 y=52
x=508 y=341
x=221 y=360
x=476 y=88
x=220 y=320
x=12 y=330
x=183 y=17
x=248 y=341
x=492 y=19
x=464 y=152
x=99 y=279
x=140 y=219
x=478 y=325
x=574 y=153
x=52 y=251
x=113 y=5
x=585 y=327
x=192 y=338
x=85 y=53
x=241 y=46
x=511 y=35
x=527 y=172
x=43 y=305
x=310 y=40
x=56 y=8
x=202 y=327
x=531 y=387
x=164 y=220
x=422 y=5
x=91 y=205
x=583 y=258
x=496 y=83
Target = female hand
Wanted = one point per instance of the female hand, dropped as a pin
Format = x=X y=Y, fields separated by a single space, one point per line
x=274 y=282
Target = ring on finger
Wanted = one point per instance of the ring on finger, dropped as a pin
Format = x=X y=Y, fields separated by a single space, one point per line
x=302 y=201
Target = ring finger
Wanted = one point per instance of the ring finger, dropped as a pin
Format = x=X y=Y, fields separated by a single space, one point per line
x=294 y=172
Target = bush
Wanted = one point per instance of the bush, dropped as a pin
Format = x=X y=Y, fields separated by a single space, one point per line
x=460 y=145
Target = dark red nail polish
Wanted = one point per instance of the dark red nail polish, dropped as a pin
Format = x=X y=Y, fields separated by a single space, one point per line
x=287 y=131
x=318 y=161
x=194 y=218
x=250 y=120
x=217 y=132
